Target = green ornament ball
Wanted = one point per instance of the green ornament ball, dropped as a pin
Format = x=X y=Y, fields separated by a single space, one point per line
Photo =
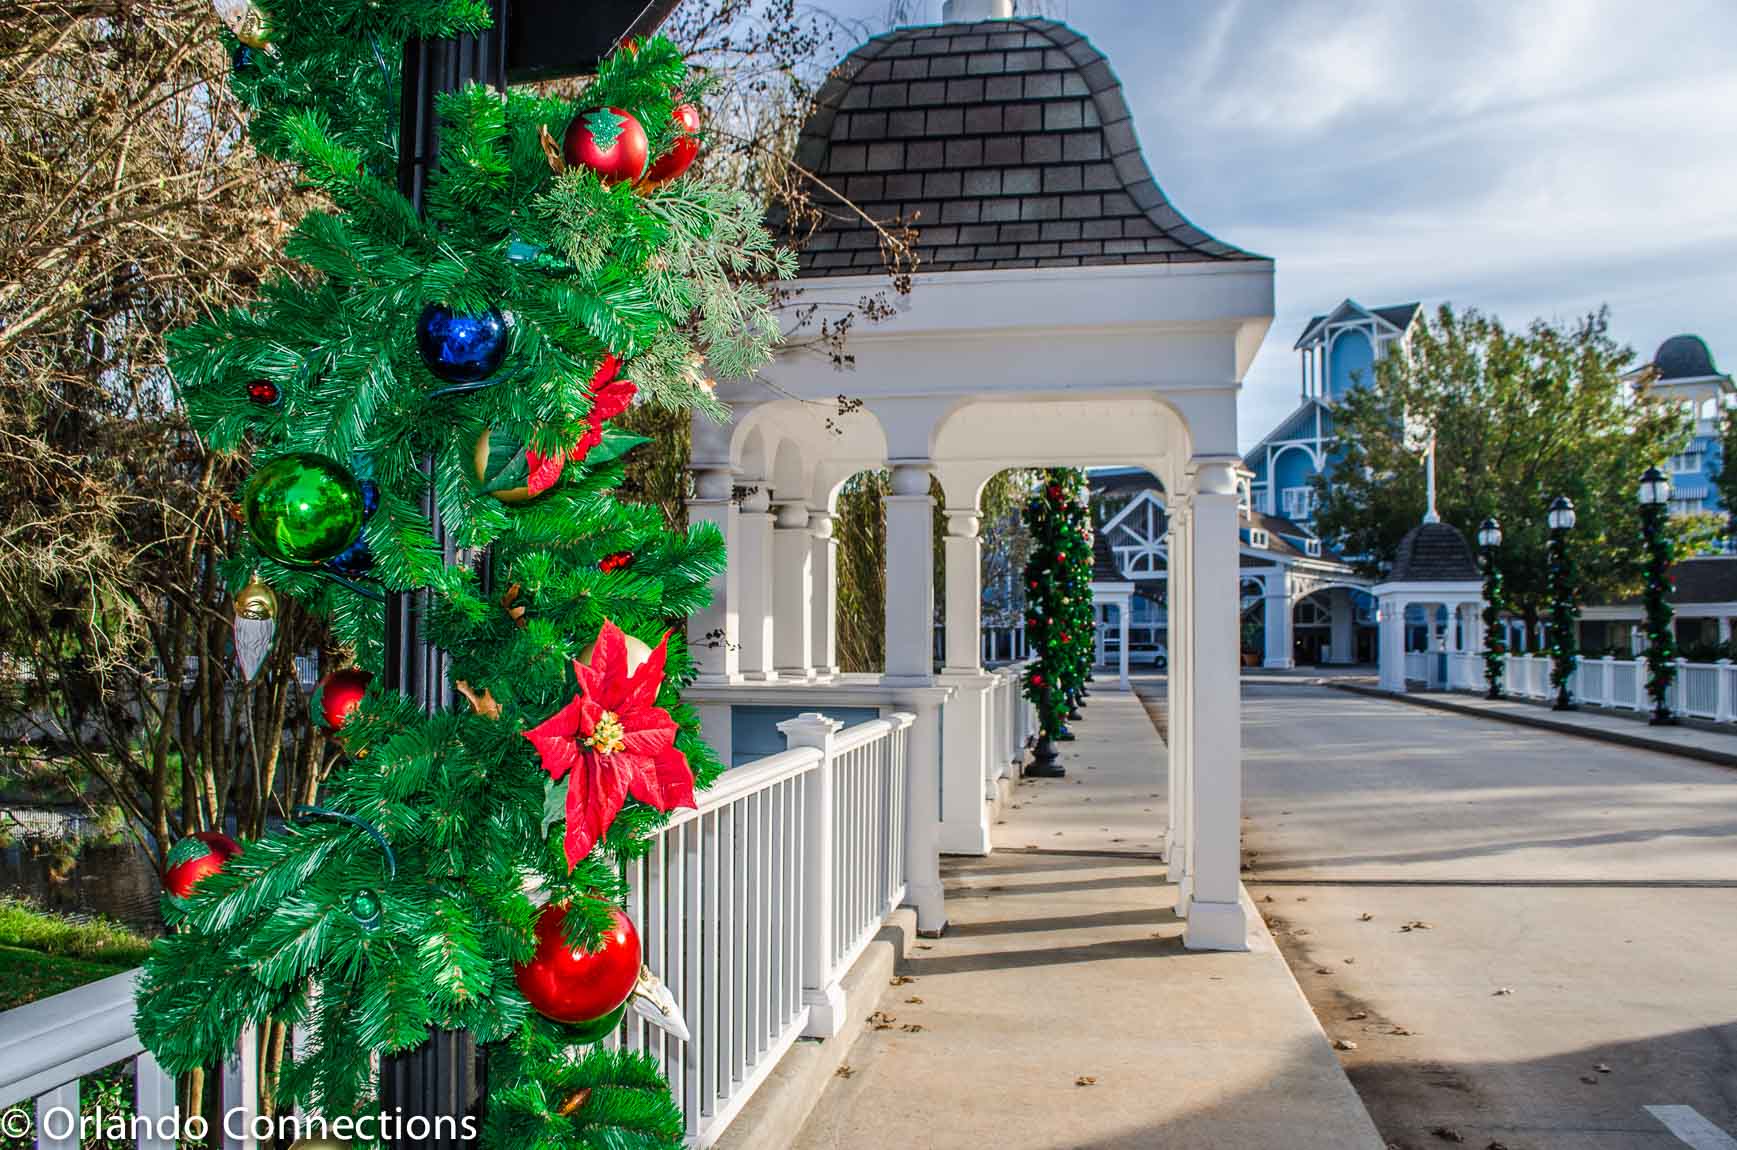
x=597 y=1029
x=303 y=508
x=365 y=909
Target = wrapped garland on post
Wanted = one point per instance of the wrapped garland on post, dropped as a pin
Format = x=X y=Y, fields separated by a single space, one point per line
x=464 y=870
x=1656 y=597
x=1058 y=609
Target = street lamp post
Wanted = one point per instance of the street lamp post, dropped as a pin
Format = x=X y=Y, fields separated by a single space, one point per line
x=1564 y=644
x=1495 y=643
x=1655 y=497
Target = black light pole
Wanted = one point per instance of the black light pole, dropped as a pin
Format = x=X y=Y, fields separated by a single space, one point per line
x=1655 y=497
x=527 y=39
x=1564 y=644
x=1495 y=642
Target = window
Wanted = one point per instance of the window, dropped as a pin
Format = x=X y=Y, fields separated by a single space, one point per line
x=1687 y=506
x=1257 y=537
x=1312 y=548
x=1299 y=502
x=1688 y=463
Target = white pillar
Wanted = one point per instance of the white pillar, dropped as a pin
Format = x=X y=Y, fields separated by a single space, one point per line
x=1101 y=618
x=1215 y=914
x=754 y=584
x=1724 y=629
x=910 y=582
x=1278 y=618
x=793 y=593
x=1343 y=613
x=825 y=623
x=1176 y=637
x=1124 y=608
x=714 y=632
x=821 y=991
x=1436 y=644
x=964 y=559
x=1390 y=653
x=923 y=888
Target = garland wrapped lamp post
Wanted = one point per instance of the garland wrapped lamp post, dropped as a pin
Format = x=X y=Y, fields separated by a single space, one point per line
x=1655 y=496
x=1495 y=643
x=1564 y=644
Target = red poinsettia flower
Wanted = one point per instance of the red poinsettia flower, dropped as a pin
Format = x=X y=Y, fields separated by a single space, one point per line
x=609 y=398
x=611 y=741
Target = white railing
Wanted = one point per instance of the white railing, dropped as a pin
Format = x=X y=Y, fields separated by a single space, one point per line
x=1700 y=691
x=751 y=908
x=1004 y=645
x=1417 y=665
x=1465 y=671
x=1013 y=724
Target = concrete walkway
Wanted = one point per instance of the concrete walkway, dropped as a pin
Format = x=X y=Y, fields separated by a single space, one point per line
x=1060 y=1010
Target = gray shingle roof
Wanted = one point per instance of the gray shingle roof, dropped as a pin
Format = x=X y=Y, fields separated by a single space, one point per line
x=1434 y=553
x=1006 y=143
x=1684 y=357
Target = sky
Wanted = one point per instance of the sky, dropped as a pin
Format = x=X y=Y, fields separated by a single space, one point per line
x=1531 y=158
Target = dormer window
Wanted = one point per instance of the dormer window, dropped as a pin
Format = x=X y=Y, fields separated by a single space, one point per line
x=1312 y=548
x=1257 y=537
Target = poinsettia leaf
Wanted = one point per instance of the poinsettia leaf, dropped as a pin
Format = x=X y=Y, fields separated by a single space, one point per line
x=554 y=805
x=615 y=444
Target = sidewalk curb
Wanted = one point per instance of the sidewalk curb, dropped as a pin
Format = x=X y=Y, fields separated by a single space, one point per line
x=1542 y=723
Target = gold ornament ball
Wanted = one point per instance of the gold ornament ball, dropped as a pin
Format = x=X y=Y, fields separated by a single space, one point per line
x=480 y=462
x=256 y=601
x=637 y=653
x=321 y=1144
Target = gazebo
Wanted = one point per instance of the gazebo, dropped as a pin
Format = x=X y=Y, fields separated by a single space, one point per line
x=1434 y=571
x=1062 y=313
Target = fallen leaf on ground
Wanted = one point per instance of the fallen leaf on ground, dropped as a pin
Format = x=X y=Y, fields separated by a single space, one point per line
x=914 y=1000
x=1351 y=961
x=1357 y=1016
x=1323 y=970
x=1415 y=924
x=900 y=980
x=1344 y=1044
x=912 y=1028
x=1365 y=917
x=844 y=1072
x=1502 y=991
x=1301 y=897
x=1086 y=1080
x=1497 y=1146
x=1448 y=1134
x=924 y=946
x=1589 y=1080
x=1301 y=931
x=1268 y=898
x=1401 y=1032
x=881 y=1020
x=1602 y=1068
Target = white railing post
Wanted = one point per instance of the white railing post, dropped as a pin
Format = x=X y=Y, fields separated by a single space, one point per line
x=1722 y=691
x=241 y=1092
x=820 y=989
x=1678 y=697
x=154 y=1096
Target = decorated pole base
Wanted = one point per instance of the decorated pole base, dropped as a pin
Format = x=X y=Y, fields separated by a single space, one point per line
x=1073 y=714
x=1045 y=761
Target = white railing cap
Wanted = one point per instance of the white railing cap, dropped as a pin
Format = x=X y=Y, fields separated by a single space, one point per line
x=58 y=1039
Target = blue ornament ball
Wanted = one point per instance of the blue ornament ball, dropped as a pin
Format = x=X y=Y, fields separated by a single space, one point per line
x=355 y=559
x=461 y=347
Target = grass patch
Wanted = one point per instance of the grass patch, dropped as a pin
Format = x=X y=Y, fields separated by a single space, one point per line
x=27 y=975
x=43 y=954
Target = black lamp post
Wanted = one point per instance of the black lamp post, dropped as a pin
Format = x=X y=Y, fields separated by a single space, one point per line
x=1655 y=497
x=1564 y=644
x=1495 y=642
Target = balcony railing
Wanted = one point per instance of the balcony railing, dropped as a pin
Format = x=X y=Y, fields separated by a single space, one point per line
x=1701 y=690
x=751 y=909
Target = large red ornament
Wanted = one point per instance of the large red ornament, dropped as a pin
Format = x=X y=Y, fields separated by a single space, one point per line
x=615 y=561
x=682 y=153
x=181 y=878
x=613 y=740
x=341 y=693
x=572 y=985
x=610 y=142
x=609 y=398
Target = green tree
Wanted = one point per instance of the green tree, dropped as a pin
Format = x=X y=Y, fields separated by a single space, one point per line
x=1519 y=418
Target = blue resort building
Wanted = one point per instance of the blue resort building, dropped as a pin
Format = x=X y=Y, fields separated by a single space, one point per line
x=1683 y=370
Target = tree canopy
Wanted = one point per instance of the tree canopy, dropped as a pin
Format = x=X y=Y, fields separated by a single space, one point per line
x=1519 y=416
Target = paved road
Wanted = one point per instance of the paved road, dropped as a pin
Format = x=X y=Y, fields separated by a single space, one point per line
x=1578 y=958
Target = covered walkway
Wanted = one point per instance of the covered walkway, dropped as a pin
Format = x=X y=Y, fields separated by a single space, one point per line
x=1061 y=1009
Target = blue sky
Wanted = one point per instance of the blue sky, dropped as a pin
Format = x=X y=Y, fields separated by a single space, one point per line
x=1529 y=157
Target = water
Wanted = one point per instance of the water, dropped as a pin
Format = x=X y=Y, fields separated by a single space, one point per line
x=45 y=863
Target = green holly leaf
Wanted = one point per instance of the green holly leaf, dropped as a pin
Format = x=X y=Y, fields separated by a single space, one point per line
x=554 y=805
x=615 y=444
x=605 y=127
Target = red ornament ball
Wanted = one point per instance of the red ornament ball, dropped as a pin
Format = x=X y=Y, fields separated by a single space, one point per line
x=181 y=878
x=264 y=392
x=1036 y=680
x=575 y=986
x=610 y=142
x=681 y=155
x=341 y=693
x=615 y=562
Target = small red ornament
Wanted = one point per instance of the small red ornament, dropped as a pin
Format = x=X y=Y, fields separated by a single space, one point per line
x=1036 y=680
x=264 y=392
x=181 y=878
x=615 y=562
x=1054 y=491
x=610 y=142
x=572 y=985
x=682 y=153
x=341 y=693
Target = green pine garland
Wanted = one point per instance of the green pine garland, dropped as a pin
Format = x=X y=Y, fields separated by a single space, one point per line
x=1564 y=613
x=1661 y=637
x=1060 y=621
x=583 y=269
x=1495 y=640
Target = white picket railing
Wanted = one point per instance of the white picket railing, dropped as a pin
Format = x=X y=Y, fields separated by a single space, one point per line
x=1004 y=645
x=1701 y=690
x=1013 y=723
x=751 y=908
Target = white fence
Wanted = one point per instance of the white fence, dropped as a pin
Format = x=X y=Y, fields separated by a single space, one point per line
x=751 y=909
x=1701 y=690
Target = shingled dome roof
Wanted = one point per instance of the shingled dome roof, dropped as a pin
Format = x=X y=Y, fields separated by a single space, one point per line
x=1006 y=143
x=1434 y=553
x=1684 y=357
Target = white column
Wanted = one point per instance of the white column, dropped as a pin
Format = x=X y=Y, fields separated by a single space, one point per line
x=1278 y=618
x=1101 y=618
x=821 y=991
x=1724 y=629
x=923 y=888
x=1390 y=654
x=1437 y=643
x=1343 y=613
x=964 y=592
x=1176 y=638
x=825 y=565
x=1215 y=914
x=1124 y=608
x=793 y=593
x=910 y=582
x=714 y=632
x=754 y=584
